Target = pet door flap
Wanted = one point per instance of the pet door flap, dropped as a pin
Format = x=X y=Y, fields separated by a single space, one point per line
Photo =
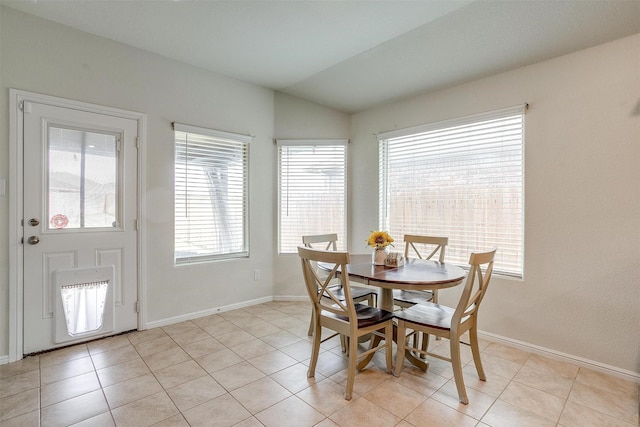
x=84 y=304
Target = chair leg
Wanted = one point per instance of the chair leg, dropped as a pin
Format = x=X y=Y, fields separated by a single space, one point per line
x=401 y=340
x=344 y=344
x=420 y=341
x=388 y=340
x=315 y=350
x=456 y=363
x=434 y=299
x=475 y=349
x=416 y=342
x=313 y=317
x=425 y=345
x=351 y=370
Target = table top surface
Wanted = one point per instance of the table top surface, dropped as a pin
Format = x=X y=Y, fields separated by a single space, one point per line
x=414 y=274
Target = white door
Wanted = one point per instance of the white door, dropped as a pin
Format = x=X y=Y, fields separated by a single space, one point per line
x=80 y=206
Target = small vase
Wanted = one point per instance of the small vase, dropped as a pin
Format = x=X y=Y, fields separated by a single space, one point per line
x=379 y=256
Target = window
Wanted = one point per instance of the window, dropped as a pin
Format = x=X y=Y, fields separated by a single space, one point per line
x=311 y=191
x=82 y=179
x=462 y=179
x=211 y=193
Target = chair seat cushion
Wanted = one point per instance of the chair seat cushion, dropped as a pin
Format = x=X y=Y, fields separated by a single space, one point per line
x=428 y=314
x=412 y=297
x=367 y=315
x=357 y=293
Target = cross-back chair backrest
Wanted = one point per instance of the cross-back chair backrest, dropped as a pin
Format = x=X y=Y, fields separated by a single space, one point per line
x=439 y=244
x=475 y=286
x=329 y=241
x=319 y=287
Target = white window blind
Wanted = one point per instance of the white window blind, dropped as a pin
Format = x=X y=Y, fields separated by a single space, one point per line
x=462 y=179
x=311 y=191
x=211 y=193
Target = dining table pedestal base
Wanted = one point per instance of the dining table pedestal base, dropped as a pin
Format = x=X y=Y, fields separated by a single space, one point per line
x=423 y=365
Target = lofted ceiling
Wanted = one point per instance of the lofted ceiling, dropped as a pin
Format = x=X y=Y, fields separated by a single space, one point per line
x=350 y=54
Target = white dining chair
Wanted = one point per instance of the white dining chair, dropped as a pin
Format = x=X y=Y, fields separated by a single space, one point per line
x=414 y=244
x=341 y=314
x=329 y=242
x=450 y=323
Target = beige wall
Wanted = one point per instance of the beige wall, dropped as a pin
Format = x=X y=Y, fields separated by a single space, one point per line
x=44 y=57
x=581 y=291
x=40 y=56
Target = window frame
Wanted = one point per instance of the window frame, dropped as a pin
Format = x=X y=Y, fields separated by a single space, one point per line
x=242 y=144
x=342 y=233
x=423 y=133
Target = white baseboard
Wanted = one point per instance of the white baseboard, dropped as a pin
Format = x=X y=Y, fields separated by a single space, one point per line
x=222 y=309
x=4 y=359
x=292 y=298
x=564 y=357
x=203 y=313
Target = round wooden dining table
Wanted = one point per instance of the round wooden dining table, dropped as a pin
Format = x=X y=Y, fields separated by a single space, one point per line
x=414 y=274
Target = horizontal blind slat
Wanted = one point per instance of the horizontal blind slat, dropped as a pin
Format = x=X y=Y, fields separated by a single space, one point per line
x=210 y=196
x=311 y=191
x=464 y=182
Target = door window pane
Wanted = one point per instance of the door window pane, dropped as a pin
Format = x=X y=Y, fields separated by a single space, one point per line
x=82 y=179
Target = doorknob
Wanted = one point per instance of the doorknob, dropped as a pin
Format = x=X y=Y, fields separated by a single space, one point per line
x=33 y=240
x=34 y=221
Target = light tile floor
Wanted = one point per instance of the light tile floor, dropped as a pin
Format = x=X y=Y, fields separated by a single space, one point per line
x=248 y=367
